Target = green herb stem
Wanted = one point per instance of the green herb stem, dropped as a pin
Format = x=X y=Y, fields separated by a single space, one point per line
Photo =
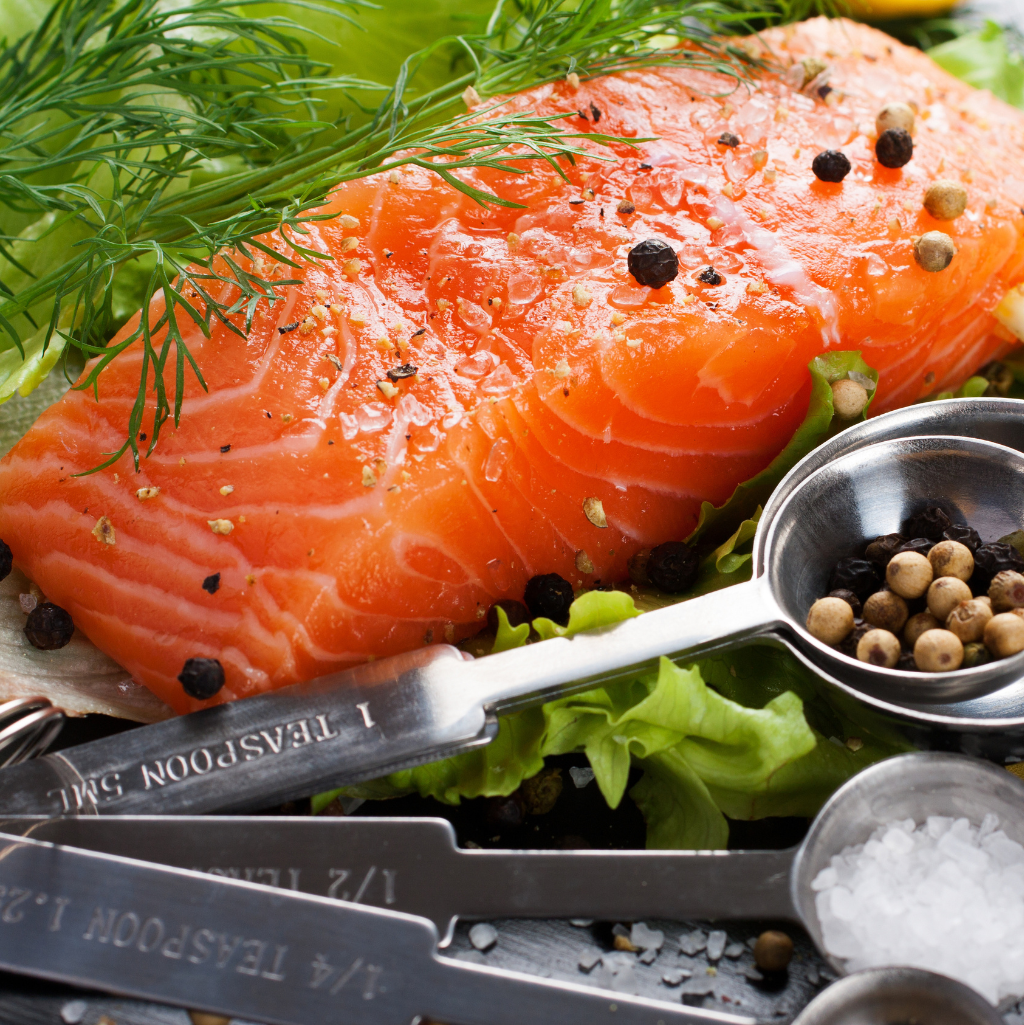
x=112 y=112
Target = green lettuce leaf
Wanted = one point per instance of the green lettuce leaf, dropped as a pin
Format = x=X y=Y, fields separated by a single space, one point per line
x=716 y=523
x=679 y=810
x=723 y=742
x=588 y=612
x=509 y=636
x=987 y=58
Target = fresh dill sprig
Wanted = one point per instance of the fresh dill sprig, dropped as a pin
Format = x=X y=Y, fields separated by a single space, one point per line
x=137 y=135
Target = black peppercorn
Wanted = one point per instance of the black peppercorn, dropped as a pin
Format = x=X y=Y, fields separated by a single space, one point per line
x=991 y=559
x=921 y=545
x=894 y=148
x=848 y=645
x=6 y=560
x=549 y=595
x=710 y=276
x=883 y=548
x=831 y=166
x=405 y=370
x=653 y=263
x=201 y=678
x=48 y=627
x=930 y=522
x=850 y=598
x=211 y=584
x=515 y=612
x=728 y=139
x=967 y=536
x=907 y=662
x=672 y=567
x=857 y=575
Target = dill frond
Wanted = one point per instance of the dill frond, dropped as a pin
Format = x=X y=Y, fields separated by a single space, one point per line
x=134 y=134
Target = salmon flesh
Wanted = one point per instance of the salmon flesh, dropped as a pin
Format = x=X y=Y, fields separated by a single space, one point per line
x=465 y=397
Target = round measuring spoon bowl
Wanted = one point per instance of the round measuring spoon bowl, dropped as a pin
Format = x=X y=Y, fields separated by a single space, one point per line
x=990 y=419
x=832 y=514
x=872 y=491
x=898 y=996
x=911 y=786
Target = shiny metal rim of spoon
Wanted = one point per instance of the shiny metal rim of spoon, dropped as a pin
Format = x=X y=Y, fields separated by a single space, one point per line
x=997 y=420
x=884 y=996
x=28 y=726
x=870 y=491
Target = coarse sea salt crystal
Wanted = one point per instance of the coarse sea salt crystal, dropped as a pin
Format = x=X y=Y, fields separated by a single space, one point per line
x=946 y=895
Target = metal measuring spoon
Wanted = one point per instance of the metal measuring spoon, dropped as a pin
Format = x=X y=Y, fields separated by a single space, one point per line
x=424 y=705
x=249 y=952
x=28 y=726
x=997 y=420
x=884 y=996
x=413 y=865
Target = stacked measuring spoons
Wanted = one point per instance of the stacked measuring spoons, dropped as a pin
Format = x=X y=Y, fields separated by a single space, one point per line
x=247 y=951
x=412 y=865
x=428 y=704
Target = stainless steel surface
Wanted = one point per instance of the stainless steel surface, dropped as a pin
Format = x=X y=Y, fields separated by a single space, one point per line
x=28 y=726
x=870 y=491
x=427 y=704
x=414 y=865
x=261 y=751
x=894 y=996
x=243 y=950
x=997 y=420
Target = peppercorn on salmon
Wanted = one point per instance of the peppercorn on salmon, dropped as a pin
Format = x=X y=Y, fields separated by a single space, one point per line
x=466 y=397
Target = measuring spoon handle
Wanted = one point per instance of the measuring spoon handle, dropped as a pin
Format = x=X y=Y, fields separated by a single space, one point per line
x=626 y=885
x=525 y=675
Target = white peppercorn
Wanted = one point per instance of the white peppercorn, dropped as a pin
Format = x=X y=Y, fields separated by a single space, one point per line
x=830 y=620
x=934 y=251
x=1004 y=634
x=909 y=574
x=969 y=620
x=951 y=559
x=945 y=594
x=848 y=399
x=917 y=625
x=945 y=200
x=881 y=648
x=895 y=115
x=887 y=610
x=1007 y=591
x=938 y=651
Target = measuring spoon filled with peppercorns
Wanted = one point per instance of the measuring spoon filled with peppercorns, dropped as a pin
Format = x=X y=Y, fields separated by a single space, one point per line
x=899 y=559
x=853 y=614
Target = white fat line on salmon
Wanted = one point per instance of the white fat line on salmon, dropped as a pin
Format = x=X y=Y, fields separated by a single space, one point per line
x=780 y=268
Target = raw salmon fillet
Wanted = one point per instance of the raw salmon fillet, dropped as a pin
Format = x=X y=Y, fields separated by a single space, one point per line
x=560 y=416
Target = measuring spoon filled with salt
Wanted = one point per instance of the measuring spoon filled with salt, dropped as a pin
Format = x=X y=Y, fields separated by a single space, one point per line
x=414 y=708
